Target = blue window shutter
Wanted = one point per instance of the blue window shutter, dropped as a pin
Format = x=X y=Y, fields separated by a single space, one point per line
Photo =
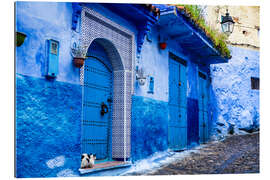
x=53 y=58
x=151 y=85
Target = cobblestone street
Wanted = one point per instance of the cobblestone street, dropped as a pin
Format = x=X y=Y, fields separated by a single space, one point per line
x=236 y=154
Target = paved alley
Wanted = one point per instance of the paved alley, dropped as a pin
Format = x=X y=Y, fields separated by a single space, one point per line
x=236 y=154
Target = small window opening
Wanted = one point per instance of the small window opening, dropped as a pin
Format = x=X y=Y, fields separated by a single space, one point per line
x=255 y=83
x=54 y=48
x=245 y=33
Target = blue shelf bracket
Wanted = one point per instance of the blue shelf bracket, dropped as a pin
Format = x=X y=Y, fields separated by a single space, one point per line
x=143 y=30
x=76 y=12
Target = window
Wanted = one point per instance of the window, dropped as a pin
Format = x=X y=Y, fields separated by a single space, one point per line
x=255 y=83
x=54 y=47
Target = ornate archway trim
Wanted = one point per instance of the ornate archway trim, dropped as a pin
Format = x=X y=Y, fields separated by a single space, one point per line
x=118 y=43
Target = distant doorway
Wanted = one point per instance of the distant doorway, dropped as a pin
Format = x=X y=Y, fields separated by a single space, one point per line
x=203 y=108
x=177 y=129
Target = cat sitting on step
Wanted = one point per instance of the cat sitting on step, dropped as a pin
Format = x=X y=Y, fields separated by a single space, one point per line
x=88 y=160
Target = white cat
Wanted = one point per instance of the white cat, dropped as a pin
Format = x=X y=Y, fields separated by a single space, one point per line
x=88 y=160
x=85 y=159
x=92 y=160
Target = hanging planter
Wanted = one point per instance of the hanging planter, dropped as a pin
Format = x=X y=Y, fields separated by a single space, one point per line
x=162 y=45
x=79 y=55
x=180 y=7
x=20 y=38
x=78 y=61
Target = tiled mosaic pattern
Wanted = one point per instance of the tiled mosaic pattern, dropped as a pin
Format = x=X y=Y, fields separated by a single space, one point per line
x=81 y=75
x=119 y=45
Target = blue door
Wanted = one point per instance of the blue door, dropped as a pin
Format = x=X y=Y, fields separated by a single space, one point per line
x=203 y=108
x=177 y=129
x=97 y=99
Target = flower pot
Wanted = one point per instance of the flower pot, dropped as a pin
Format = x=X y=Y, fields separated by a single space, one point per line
x=19 y=38
x=181 y=7
x=78 y=62
x=163 y=45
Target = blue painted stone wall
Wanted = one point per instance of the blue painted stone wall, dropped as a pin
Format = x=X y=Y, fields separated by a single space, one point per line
x=48 y=118
x=155 y=63
x=149 y=128
x=192 y=121
x=232 y=99
x=41 y=21
x=192 y=78
x=149 y=111
x=48 y=113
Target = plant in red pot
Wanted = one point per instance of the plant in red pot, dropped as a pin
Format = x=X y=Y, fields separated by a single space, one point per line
x=79 y=54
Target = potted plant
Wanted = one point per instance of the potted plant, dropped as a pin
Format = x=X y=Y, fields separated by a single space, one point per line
x=162 y=45
x=79 y=54
x=20 y=38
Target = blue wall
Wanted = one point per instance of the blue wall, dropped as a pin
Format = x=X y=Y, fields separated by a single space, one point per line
x=58 y=102
x=192 y=121
x=48 y=113
x=232 y=99
x=48 y=118
x=41 y=21
x=149 y=128
x=155 y=62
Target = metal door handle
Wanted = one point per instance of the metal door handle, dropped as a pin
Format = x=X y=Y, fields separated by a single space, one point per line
x=109 y=100
x=104 y=109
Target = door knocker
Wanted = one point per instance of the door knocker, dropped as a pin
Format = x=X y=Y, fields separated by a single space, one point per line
x=104 y=109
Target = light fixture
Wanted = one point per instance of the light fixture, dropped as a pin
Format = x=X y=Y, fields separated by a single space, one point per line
x=227 y=23
x=140 y=76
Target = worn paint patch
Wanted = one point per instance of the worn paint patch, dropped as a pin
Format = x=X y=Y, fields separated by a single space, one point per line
x=48 y=120
x=149 y=131
x=66 y=173
x=56 y=162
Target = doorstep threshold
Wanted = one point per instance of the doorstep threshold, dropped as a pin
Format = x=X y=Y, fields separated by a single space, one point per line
x=105 y=166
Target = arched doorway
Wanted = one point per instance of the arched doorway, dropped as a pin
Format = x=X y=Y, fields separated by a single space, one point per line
x=119 y=45
x=97 y=103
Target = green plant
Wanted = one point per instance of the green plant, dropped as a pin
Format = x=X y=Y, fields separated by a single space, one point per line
x=195 y=14
x=79 y=51
x=20 y=38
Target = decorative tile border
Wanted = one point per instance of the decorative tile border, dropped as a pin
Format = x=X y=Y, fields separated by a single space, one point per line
x=118 y=43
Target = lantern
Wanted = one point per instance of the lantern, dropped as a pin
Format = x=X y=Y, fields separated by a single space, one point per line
x=227 y=23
